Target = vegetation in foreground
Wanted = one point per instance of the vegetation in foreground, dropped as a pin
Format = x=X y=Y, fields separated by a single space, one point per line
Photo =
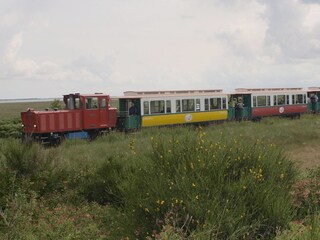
x=223 y=182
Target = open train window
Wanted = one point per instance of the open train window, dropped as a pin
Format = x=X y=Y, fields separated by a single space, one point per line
x=178 y=105
x=92 y=103
x=198 y=105
x=168 y=106
x=103 y=103
x=215 y=103
x=298 y=99
x=146 y=108
x=224 y=103
x=279 y=100
x=157 y=107
x=206 y=104
x=187 y=105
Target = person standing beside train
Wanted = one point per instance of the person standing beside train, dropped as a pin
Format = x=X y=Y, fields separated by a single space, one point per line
x=239 y=110
x=314 y=103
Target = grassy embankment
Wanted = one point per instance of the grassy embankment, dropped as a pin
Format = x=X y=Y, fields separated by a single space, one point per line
x=229 y=181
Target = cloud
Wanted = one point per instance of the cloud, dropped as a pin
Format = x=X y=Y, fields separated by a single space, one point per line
x=286 y=33
x=113 y=46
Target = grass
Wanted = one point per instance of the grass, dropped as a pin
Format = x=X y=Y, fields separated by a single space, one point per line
x=227 y=181
x=13 y=110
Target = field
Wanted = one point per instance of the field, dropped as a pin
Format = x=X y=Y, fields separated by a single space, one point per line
x=234 y=180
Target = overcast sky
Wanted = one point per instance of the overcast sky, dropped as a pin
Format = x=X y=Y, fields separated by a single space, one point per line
x=50 y=48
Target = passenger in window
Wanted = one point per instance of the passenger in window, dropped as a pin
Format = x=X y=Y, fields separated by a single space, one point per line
x=133 y=110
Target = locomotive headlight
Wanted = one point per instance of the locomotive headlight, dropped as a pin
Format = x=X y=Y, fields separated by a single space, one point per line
x=34 y=126
x=22 y=125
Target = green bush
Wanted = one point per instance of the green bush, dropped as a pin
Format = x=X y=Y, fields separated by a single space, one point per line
x=100 y=184
x=10 y=128
x=219 y=190
x=306 y=193
x=27 y=216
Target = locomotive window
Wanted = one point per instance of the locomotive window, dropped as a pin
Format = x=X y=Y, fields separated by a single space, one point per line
x=103 y=103
x=146 y=108
x=206 y=104
x=168 y=105
x=91 y=103
x=187 y=105
x=77 y=103
x=215 y=103
x=287 y=98
x=178 y=106
x=157 y=107
x=268 y=101
x=197 y=105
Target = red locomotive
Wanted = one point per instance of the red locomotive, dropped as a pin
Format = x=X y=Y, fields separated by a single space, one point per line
x=83 y=116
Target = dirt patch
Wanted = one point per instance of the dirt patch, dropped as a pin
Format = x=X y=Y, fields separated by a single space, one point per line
x=306 y=156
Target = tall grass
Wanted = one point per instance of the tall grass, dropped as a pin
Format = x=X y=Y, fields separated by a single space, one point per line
x=229 y=181
x=220 y=190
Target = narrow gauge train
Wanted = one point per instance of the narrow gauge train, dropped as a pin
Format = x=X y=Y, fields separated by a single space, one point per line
x=86 y=116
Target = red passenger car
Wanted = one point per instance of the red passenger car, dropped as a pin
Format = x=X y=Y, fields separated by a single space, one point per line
x=84 y=116
x=264 y=102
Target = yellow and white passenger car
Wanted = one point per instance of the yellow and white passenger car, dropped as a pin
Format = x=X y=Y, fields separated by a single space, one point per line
x=160 y=108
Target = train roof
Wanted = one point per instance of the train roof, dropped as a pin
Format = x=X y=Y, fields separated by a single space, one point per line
x=314 y=89
x=87 y=95
x=171 y=93
x=267 y=90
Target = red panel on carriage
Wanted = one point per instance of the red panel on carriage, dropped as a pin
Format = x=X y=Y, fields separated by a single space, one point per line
x=278 y=110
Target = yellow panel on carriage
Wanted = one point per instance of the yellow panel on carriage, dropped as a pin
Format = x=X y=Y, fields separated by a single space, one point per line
x=183 y=118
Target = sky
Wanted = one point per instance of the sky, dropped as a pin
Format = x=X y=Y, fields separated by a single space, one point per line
x=50 y=48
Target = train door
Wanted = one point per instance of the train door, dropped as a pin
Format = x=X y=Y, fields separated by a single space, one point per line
x=91 y=114
x=103 y=108
x=240 y=106
x=129 y=114
x=247 y=106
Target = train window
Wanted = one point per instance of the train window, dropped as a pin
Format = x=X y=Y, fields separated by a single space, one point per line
x=103 y=103
x=157 y=107
x=254 y=101
x=197 y=105
x=261 y=100
x=224 y=103
x=287 y=98
x=215 y=103
x=146 y=108
x=168 y=106
x=91 y=103
x=298 y=99
x=280 y=100
x=268 y=101
x=206 y=104
x=77 y=103
x=178 y=106
x=187 y=105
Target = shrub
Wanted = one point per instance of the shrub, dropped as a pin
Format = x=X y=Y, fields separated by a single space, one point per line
x=306 y=193
x=220 y=190
x=10 y=128
x=100 y=184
